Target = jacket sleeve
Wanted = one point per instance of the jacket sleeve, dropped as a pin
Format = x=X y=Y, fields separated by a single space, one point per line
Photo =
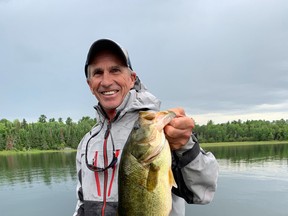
x=79 y=211
x=195 y=172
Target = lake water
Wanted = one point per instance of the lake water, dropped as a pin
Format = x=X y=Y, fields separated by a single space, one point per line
x=253 y=180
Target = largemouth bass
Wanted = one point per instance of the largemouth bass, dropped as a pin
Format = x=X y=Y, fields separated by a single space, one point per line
x=145 y=175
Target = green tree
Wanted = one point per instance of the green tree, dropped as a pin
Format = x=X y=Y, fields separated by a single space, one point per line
x=42 y=119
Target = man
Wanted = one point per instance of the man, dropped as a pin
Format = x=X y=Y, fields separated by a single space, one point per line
x=121 y=96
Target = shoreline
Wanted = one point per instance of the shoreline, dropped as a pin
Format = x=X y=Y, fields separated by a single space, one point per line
x=203 y=145
x=244 y=143
x=34 y=151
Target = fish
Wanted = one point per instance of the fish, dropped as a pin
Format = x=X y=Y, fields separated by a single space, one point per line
x=145 y=176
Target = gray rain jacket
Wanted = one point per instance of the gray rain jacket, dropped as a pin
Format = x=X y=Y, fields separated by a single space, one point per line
x=97 y=192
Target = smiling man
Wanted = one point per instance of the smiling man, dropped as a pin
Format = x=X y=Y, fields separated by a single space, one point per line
x=121 y=96
x=109 y=80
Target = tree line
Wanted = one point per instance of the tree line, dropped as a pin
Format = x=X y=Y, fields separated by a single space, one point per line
x=46 y=134
x=239 y=131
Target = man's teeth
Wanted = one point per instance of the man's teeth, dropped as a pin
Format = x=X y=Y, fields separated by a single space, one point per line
x=109 y=92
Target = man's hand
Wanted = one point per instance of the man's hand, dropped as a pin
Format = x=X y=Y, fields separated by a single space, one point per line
x=179 y=130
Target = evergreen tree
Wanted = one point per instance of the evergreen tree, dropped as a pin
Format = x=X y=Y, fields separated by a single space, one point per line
x=53 y=134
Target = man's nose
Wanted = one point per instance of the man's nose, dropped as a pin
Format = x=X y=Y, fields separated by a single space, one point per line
x=106 y=79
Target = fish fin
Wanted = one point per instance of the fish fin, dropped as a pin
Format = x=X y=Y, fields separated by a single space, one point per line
x=172 y=181
x=152 y=179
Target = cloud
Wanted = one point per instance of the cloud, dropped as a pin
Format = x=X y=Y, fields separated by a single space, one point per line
x=223 y=57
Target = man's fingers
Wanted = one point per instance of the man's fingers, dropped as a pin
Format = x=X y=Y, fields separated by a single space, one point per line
x=178 y=111
x=182 y=123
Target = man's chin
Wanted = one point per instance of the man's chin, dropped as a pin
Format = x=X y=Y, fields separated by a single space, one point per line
x=109 y=107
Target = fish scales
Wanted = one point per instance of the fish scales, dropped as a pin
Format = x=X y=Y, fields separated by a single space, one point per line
x=145 y=175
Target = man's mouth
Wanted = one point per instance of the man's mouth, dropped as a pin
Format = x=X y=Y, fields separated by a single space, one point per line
x=109 y=92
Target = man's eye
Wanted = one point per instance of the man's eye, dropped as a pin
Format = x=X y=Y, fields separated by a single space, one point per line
x=115 y=70
x=96 y=72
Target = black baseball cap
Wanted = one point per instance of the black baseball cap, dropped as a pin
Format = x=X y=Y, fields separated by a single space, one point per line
x=106 y=44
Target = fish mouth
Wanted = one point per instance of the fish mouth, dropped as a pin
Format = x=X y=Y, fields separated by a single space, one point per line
x=164 y=118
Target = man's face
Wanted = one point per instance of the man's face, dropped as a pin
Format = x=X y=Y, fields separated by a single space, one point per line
x=109 y=80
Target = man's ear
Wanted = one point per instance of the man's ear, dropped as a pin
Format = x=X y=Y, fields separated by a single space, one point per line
x=133 y=77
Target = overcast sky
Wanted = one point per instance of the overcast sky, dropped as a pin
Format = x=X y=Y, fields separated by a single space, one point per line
x=221 y=60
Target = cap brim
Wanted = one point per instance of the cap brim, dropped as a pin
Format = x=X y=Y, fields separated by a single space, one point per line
x=102 y=45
